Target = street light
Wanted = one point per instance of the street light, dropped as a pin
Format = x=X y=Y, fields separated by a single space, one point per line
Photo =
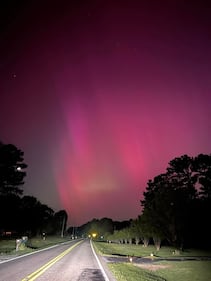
x=94 y=234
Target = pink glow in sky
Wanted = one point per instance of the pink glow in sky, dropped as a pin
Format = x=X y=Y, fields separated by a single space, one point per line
x=101 y=95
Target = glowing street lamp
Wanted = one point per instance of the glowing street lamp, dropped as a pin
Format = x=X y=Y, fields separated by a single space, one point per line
x=94 y=235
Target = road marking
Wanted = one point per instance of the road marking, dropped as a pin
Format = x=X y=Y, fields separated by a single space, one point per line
x=35 y=252
x=43 y=268
x=99 y=263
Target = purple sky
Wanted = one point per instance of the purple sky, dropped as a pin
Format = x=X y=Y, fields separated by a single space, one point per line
x=101 y=95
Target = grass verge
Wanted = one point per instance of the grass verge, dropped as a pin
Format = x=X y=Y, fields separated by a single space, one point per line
x=181 y=270
x=8 y=246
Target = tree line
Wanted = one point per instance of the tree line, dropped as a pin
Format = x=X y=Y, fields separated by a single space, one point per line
x=176 y=208
x=23 y=214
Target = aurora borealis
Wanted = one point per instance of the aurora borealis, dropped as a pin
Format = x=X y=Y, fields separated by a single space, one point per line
x=101 y=95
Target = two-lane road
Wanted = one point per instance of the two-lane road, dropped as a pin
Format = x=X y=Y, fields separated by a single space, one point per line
x=75 y=261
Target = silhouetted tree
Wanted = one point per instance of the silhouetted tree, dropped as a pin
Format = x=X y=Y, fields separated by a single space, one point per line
x=10 y=212
x=60 y=222
x=173 y=200
x=11 y=180
x=11 y=169
x=103 y=227
x=199 y=229
x=202 y=168
x=106 y=226
x=34 y=215
x=136 y=230
x=23 y=214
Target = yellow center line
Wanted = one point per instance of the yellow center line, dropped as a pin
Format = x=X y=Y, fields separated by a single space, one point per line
x=43 y=268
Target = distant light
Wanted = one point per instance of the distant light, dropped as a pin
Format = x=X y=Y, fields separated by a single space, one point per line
x=94 y=234
x=18 y=168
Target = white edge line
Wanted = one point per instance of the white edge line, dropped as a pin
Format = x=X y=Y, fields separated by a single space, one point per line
x=36 y=251
x=99 y=263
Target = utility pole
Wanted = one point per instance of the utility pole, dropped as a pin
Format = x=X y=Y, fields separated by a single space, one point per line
x=62 y=231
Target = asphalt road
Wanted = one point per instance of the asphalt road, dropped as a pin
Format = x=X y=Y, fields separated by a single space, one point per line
x=73 y=261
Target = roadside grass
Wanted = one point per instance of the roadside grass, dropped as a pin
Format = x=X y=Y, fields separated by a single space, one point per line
x=128 y=272
x=39 y=243
x=181 y=270
x=8 y=246
x=140 y=251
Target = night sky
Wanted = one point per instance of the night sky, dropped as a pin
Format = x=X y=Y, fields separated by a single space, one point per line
x=101 y=95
